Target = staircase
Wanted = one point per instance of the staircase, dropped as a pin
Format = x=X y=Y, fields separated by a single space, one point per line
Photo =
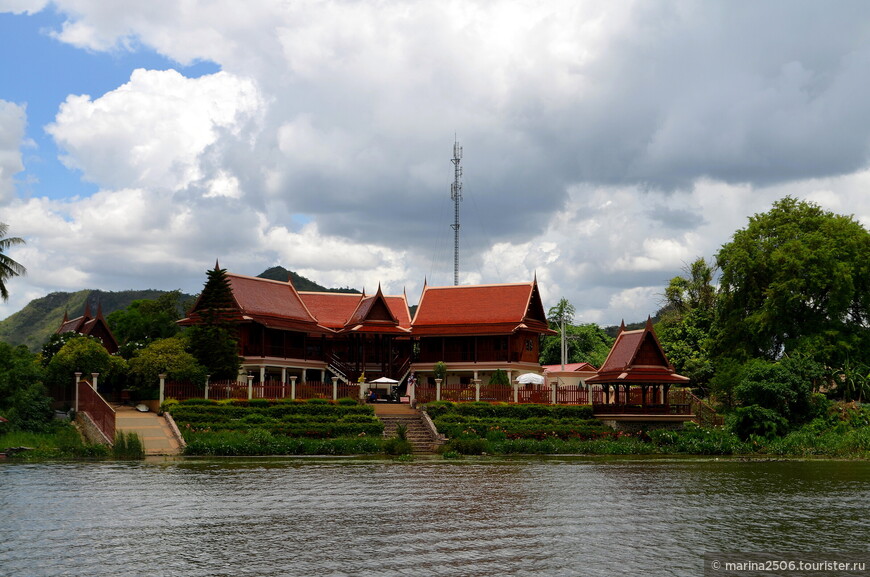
x=419 y=435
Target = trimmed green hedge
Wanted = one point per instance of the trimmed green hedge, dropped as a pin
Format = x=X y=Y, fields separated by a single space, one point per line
x=312 y=419
x=509 y=411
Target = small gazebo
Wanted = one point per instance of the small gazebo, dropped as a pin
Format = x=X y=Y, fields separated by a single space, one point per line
x=638 y=374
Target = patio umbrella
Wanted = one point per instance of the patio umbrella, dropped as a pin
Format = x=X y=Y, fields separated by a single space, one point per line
x=530 y=379
x=384 y=381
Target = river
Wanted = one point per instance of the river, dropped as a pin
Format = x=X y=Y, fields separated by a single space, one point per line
x=472 y=517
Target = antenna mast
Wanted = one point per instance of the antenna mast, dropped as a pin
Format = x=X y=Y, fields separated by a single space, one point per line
x=456 y=197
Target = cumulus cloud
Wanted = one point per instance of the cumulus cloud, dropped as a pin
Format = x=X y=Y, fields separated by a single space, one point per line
x=152 y=130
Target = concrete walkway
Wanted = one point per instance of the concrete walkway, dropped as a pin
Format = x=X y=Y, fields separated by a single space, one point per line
x=153 y=430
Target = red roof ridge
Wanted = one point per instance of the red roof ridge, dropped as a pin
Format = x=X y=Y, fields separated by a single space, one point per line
x=473 y=286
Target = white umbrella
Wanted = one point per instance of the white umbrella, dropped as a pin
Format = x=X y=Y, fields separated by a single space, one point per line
x=385 y=381
x=530 y=378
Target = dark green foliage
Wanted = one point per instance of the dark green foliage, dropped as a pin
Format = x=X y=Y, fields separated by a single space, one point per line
x=695 y=440
x=164 y=356
x=23 y=398
x=396 y=446
x=784 y=386
x=499 y=377
x=755 y=420
x=216 y=349
x=145 y=321
x=439 y=369
x=86 y=355
x=509 y=411
x=587 y=343
x=796 y=279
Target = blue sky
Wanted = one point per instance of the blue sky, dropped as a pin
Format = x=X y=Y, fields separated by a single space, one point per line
x=41 y=71
x=606 y=145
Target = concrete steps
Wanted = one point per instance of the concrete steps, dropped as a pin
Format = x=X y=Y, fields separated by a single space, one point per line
x=418 y=434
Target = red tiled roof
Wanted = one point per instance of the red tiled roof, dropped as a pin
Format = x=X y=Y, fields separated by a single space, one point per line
x=481 y=309
x=264 y=297
x=344 y=310
x=637 y=357
x=331 y=309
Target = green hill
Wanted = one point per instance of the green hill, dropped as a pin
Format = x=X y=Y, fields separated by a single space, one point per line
x=32 y=325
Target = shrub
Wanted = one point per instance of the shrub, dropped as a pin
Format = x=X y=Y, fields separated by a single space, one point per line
x=128 y=445
x=756 y=420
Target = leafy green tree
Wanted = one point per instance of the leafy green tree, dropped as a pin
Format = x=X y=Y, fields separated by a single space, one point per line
x=146 y=320
x=8 y=267
x=784 y=386
x=687 y=321
x=167 y=356
x=587 y=343
x=24 y=400
x=796 y=279
x=563 y=311
x=214 y=342
x=86 y=355
x=440 y=371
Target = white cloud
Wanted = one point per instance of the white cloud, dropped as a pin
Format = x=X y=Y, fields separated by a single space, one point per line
x=13 y=119
x=153 y=130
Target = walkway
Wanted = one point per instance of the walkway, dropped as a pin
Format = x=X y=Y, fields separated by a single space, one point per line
x=153 y=430
x=393 y=414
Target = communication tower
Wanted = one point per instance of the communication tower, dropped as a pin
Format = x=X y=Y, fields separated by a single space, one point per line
x=456 y=197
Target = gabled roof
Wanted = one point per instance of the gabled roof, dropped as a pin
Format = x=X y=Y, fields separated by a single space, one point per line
x=272 y=303
x=90 y=325
x=480 y=309
x=359 y=313
x=637 y=357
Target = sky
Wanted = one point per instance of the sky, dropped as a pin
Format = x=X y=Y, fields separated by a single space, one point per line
x=606 y=145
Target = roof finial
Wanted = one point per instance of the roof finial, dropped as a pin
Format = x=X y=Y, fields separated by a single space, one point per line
x=622 y=326
x=217 y=265
x=87 y=314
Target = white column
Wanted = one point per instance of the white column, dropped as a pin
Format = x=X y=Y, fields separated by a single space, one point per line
x=94 y=377
x=412 y=393
x=250 y=387
x=293 y=387
x=283 y=375
x=262 y=375
x=78 y=378
x=553 y=388
x=206 y=386
x=516 y=392
x=162 y=377
x=437 y=389
x=322 y=375
x=476 y=388
x=334 y=388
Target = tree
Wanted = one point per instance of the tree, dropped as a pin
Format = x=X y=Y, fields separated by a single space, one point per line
x=86 y=355
x=586 y=344
x=8 y=267
x=23 y=398
x=563 y=311
x=796 y=279
x=687 y=320
x=146 y=320
x=214 y=342
x=167 y=356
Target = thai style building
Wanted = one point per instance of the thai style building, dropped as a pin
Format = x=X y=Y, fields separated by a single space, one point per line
x=477 y=329
x=91 y=325
x=636 y=376
x=315 y=336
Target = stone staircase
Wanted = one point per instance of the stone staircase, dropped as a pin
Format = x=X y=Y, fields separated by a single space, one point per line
x=418 y=433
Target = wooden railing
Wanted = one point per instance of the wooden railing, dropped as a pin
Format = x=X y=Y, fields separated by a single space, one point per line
x=100 y=412
x=497 y=393
x=314 y=390
x=705 y=414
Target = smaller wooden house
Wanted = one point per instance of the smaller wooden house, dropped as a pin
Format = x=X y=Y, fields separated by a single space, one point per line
x=91 y=325
x=636 y=377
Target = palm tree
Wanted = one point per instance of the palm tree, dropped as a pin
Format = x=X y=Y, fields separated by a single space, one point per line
x=8 y=267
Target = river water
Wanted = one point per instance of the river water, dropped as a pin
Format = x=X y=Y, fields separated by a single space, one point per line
x=474 y=517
